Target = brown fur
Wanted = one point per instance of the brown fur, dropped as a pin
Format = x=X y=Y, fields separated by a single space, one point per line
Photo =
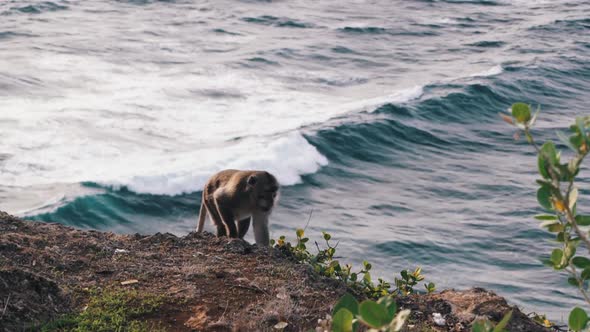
x=232 y=197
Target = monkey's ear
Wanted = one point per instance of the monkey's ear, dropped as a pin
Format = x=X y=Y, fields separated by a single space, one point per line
x=252 y=180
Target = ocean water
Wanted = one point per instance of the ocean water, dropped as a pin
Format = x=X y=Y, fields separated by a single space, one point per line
x=379 y=119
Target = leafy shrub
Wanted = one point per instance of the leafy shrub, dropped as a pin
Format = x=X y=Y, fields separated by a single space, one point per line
x=348 y=314
x=558 y=196
x=485 y=325
x=361 y=282
x=380 y=315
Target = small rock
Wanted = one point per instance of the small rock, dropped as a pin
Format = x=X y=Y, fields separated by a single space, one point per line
x=238 y=247
x=281 y=325
x=439 y=319
x=121 y=251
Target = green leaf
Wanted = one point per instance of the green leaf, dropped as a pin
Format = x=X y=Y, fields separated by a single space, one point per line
x=555 y=228
x=573 y=197
x=581 y=262
x=544 y=197
x=521 y=112
x=389 y=303
x=327 y=236
x=481 y=326
x=566 y=141
x=430 y=287
x=583 y=220
x=334 y=264
x=404 y=274
x=585 y=275
x=548 y=223
x=399 y=320
x=556 y=256
x=534 y=118
x=550 y=152
x=577 y=140
x=502 y=324
x=569 y=252
x=547 y=157
x=572 y=167
x=342 y=321
x=546 y=217
x=373 y=314
x=578 y=319
x=542 y=167
x=572 y=281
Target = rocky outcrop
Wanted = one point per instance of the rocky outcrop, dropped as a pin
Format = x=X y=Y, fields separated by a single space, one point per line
x=209 y=283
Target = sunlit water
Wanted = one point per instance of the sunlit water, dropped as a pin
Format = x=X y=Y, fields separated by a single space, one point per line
x=378 y=116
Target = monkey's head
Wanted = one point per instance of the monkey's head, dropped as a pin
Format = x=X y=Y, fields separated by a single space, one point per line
x=265 y=190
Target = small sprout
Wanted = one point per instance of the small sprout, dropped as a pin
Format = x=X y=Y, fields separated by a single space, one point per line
x=547 y=323
x=299 y=232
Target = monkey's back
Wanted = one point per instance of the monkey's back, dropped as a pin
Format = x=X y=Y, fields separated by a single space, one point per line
x=229 y=178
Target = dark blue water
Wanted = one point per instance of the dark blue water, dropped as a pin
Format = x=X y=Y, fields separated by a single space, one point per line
x=380 y=117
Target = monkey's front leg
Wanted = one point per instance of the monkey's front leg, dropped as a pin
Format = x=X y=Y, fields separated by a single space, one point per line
x=215 y=217
x=260 y=225
x=243 y=226
x=228 y=218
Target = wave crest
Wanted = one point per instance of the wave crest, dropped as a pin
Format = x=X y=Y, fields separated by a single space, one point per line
x=287 y=157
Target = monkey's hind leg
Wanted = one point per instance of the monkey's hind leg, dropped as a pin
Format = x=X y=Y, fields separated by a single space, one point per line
x=221 y=230
x=243 y=226
x=202 y=215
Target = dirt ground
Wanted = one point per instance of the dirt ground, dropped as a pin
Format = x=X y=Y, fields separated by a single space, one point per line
x=209 y=283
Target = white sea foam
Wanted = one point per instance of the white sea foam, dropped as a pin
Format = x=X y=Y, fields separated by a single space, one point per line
x=496 y=70
x=159 y=102
x=160 y=132
x=287 y=157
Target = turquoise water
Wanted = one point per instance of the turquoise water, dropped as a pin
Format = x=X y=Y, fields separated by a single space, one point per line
x=380 y=117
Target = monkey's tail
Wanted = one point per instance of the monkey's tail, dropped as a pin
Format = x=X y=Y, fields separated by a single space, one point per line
x=202 y=215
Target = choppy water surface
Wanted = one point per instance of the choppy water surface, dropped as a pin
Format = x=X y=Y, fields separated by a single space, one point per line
x=380 y=116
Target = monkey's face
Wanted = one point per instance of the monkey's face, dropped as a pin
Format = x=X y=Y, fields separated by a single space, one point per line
x=267 y=198
x=266 y=189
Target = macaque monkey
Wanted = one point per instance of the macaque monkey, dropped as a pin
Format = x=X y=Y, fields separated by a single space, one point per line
x=233 y=196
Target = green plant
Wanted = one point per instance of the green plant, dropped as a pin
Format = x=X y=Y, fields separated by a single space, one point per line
x=380 y=315
x=111 y=310
x=325 y=264
x=485 y=325
x=405 y=285
x=558 y=196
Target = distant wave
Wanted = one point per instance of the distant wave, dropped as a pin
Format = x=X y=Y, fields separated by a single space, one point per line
x=277 y=21
x=38 y=8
